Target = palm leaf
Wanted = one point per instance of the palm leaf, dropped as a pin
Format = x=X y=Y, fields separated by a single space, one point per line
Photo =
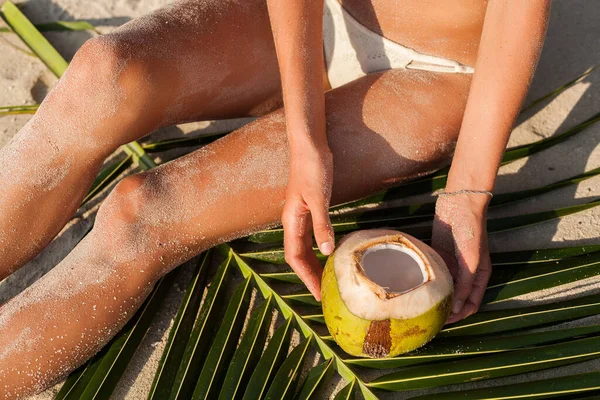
x=488 y=322
x=543 y=255
x=14 y=110
x=33 y=38
x=269 y=363
x=510 y=198
x=276 y=256
x=424 y=232
x=507 y=283
x=306 y=329
x=76 y=383
x=180 y=332
x=198 y=140
x=347 y=392
x=59 y=26
x=567 y=386
x=106 y=176
x=520 y=221
x=248 y=352
x=303 y=298
x=461 y=348
x=415 y=213
x=560 y=89
x=105 y=377
x=224 y=342
x=512 y=319
x=527 y=317
x=285 y=379
x=200 y=338
x=315 y=380
x=492 y=366
x=287 y=277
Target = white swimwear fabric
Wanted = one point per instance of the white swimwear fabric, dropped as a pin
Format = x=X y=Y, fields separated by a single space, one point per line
x=352 y=50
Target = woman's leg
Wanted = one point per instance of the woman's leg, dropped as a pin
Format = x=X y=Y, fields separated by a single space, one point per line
x=382 y=129
x=193 y=60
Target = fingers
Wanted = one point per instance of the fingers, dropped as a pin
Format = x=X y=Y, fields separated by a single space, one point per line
x=322 y=225
x=474 y=269
x=482 y=277
x=462 y=290
x=470 y=288
x=298 y=245
x=475 y=292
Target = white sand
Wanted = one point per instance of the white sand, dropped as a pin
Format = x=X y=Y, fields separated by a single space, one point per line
x=571 y=47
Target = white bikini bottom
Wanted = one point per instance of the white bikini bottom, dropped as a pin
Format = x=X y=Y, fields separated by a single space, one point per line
x=352 y=50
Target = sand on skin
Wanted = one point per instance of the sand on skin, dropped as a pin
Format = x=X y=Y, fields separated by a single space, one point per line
x=571 y=47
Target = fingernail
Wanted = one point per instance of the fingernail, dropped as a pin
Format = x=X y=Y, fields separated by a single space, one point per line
x=457 y=306
x=326 y=248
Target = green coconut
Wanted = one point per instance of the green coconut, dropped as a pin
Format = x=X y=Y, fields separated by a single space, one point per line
x=384 y=293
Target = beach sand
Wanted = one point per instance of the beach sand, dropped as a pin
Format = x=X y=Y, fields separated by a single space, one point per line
x=571 y=47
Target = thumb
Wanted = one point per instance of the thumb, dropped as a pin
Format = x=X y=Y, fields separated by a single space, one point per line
x=322 y=227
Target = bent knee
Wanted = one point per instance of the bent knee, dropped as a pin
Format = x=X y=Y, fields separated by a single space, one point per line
x=120 y=214
x=141 y=213
x=115 y=75
x=123 y=203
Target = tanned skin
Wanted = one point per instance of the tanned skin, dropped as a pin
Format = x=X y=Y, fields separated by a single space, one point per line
x=204 y=60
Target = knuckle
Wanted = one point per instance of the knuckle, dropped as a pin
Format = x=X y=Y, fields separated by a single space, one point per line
x=292 y=257
x=322 y=228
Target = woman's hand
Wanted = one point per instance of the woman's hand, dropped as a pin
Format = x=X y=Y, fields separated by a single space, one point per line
x=307 y=209
x=460 y=236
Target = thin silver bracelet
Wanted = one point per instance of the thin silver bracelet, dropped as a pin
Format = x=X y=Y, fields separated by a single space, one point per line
x=465 y=191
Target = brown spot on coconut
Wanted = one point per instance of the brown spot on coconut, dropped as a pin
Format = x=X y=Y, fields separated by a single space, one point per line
x=378 y=341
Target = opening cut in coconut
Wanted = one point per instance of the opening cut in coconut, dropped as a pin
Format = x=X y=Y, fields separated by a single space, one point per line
x=394 y=267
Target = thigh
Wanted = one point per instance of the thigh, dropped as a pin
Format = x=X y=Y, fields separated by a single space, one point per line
x=203 y=59
x=382 y=129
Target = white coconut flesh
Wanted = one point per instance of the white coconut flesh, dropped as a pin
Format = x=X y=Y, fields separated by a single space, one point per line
x=384 y=274
x=395 y=268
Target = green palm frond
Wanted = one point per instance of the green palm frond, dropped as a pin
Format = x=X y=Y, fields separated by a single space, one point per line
x=180 y=332
x=507 y=282
x=490 y=366
x=315 y=379
x=283 y=386
x=378 y=219
x=223 y=344
x=248 y=352
x=212 y=353
x=59 y=26
x=15 y=110
x=181 y=143
x=497 y=321
x=473 y=347
x=197 y=345
x=269 y=363
x=107 y=176
x=567 y=386
x=33 y=38
x=276 y=256
x=347 y=392
x=102 y=376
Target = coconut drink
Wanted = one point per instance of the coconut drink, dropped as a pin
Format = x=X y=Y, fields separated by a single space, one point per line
x=384 y=293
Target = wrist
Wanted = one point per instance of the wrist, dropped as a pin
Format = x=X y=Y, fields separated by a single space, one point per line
x=305 y=123
x=477 y=202
x=305 y=144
